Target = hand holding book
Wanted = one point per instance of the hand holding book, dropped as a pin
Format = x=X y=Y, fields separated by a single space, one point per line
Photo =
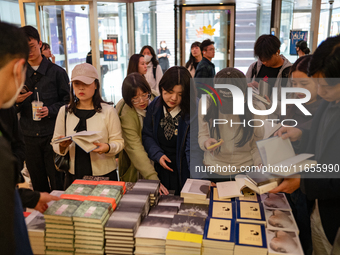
x=289 y=185
x=294 y=134
x=102 y=148
x=63 y=145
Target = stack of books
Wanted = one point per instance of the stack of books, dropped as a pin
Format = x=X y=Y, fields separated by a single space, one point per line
x=196 y=191
x=170 y=201
x=185 y=235
x=280 y=220
x=89 y=221
x=36 y=232
x=110 y=193
x=219 y=237
x=120 y=230
x=151 y=235
x=197 y=210
x=275 y=201
x=131 y=200
x=250 y=239
x=149 y=186
x=81 y=188
x=166 y=211
x=59 y=226
x=222 y=210
x=251 y=212
x=284 y=242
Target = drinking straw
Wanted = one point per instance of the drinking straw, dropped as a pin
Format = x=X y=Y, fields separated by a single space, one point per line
x=38 y=96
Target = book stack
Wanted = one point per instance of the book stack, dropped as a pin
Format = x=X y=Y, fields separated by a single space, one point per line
x=120 y=230
x=275 y=201
x=251 y=212
x=131 y=200
x=170 y=201
x=89 y=221
x=36 y=232
x=250 y=239
x=166 y=211
x=283 y=242
x=185 y=235
x=280 y=220
x=151 y=235
x=59 y=226
x=219 y=237
x=197 y=210
x=149 y=186
x=196 y=191
x=110 y=193
x=81 y=188
x=222 y=210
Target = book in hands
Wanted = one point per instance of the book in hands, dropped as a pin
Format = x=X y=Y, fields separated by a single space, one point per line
x=195 y=189
x=244 y=184
x=83 y=139
x=278 y=157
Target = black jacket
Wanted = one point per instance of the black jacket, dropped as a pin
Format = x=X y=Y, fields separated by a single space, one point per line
x=325 y=188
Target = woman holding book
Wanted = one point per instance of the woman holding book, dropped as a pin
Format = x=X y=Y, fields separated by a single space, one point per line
x=88 y=112
x=238 y=147
x=166 y=129
x=133 y=160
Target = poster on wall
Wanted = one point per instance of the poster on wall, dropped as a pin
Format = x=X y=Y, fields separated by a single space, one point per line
x=110 y=50
x=296 y=36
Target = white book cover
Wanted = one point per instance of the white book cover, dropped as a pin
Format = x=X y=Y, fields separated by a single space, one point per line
x=275 y=201
x=193 y=187
x=283 y=242
x=280 y=220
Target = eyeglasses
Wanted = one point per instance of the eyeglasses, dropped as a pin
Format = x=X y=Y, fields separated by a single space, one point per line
x=32 y=48
x=144 y=97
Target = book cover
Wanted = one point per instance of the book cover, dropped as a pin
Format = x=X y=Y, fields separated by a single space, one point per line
x=170 y=200
x=283 y=242
x=197 y=210
x=79 y=189
x=249 y=195
x=214 y=196
x=91 y=210
x=36 y=227
x=249 y=211
x=163 y=211
x=219 y=230
x=149 y=185
x=275 y=201
x=108 y=191
x=124 y=221
x=62 y=209
x=154 y=227
x=280 y=220
x=197 y=189
x=248 y=234
x=225 y=210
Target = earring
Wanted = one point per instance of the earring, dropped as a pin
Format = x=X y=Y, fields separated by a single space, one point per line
x=277 y=54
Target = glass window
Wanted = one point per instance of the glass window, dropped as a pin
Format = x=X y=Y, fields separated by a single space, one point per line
x=9 y=12
x=30 y=17
x=112 y=22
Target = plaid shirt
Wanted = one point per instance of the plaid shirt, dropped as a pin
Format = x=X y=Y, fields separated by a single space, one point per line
x=205 y=69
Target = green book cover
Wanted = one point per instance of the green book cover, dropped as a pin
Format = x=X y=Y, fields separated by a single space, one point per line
x=107 y=191
x=62 y=208
x=80 y=189
x=92 y=210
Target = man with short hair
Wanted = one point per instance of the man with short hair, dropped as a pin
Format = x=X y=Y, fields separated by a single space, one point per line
x=205 y=68
x=13 y=56
x=49 y=84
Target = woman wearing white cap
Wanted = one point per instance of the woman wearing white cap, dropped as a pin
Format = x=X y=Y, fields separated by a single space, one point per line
x=87 y=111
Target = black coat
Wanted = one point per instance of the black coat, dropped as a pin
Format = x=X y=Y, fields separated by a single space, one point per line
x=326 y=188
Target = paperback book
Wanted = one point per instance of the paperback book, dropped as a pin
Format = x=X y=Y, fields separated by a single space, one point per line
x=283 y=242
x=224 y=210
x=252 y=212
x=196 y=210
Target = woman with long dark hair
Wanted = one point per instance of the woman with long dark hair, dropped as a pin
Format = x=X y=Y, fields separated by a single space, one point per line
x=195 y=58
x=87 y=111
x=239 y=141
x=154 y=71
x=166 y=129
x=137 y=64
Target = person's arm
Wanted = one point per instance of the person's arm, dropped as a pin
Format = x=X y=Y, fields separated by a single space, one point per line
x=320 y=188
x=29 y=198
x=134 y=147
x=59 y=130
x=63 y=93
x=168 y=53
x=149 y=142
x=113 y=126
x=203 y=128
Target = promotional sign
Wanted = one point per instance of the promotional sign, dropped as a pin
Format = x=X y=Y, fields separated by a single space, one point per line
x=296 y=36
x=110 y=50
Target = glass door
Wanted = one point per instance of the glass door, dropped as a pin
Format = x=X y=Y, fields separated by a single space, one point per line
x=216 y=23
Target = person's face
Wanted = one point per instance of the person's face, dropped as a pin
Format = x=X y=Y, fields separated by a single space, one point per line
x=301 y=80
x=46 y=52
x=327 y=92
x=84 y=91
x=275 y=201
x=209 y=53
x=173 y=97
x=146 y=51
x=280 y=219
x=141 y=100
x=283 y=242
x=34 y=48
x=196 y=51
x=142 y=67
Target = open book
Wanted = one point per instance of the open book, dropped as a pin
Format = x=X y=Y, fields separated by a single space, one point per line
x=278 y=157
x=259 y=97
x=257 y=182
x=83 y=139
